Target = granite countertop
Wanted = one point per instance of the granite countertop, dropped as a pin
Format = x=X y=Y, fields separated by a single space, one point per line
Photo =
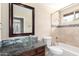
x=18 y=48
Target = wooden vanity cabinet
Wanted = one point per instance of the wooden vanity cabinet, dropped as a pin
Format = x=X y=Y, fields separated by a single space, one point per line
x=40 y=51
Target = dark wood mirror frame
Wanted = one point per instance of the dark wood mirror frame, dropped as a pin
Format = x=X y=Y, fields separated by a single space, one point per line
x=11 y=34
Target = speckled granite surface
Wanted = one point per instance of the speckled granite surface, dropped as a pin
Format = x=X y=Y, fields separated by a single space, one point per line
x=14 y=50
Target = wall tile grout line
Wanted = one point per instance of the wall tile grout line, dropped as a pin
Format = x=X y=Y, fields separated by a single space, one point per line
x=71 y=25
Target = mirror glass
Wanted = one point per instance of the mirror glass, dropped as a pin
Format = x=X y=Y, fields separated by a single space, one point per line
x=22 y=19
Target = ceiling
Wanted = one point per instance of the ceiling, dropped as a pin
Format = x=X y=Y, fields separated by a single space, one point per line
x=55 y=6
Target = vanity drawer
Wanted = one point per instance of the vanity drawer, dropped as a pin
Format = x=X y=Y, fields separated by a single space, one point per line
x=40 y=49
x=28 y=53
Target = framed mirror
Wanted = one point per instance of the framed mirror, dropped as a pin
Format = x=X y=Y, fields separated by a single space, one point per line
x=21 y=20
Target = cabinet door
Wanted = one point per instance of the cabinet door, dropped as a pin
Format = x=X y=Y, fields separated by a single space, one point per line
x=28 y=53
x=35 y=52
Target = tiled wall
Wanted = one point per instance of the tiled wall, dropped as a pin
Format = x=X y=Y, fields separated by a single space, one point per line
x=68 y=35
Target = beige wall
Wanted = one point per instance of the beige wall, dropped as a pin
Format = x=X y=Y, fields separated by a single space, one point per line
x=4 y=21
x=0 y=13
x=42 y=20
x=55 y=18
x=0 y=21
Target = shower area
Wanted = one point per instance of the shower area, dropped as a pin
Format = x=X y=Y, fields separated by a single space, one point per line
x=65 y=29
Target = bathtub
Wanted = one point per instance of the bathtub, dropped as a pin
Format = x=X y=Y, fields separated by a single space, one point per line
x=69 y=50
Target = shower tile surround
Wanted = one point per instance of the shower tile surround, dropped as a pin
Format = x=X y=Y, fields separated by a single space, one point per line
x=68 y=34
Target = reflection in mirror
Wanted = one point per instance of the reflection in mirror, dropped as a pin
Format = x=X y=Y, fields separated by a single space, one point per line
x=18 y=25
x=26 y=14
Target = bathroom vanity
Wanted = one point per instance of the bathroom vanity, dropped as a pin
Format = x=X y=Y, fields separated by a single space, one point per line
x=22 y=23
x=37 y=49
